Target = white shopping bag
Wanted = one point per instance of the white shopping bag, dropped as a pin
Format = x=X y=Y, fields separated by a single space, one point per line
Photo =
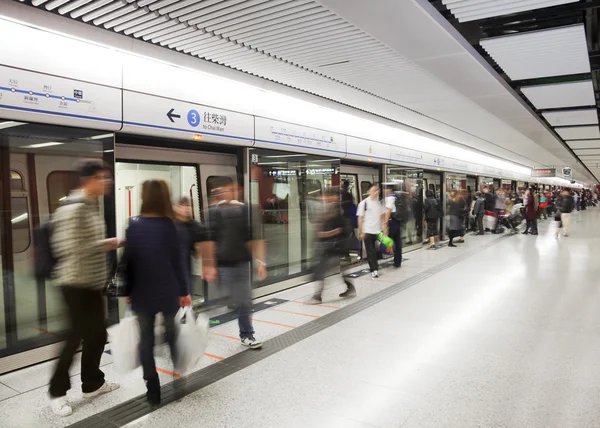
x=192 y=339
x=124 y=341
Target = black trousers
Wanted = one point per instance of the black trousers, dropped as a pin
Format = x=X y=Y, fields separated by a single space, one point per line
x=395 y=232
x=370 y=239
x=147 y=336
x=85 y=310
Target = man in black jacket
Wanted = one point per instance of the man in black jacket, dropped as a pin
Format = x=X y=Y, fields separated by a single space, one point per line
x=235 y=249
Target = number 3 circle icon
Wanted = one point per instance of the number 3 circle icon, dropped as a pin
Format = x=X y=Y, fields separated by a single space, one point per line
x=193 y=118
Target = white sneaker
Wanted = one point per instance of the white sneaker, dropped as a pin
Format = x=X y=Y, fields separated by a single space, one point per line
x=60 y=406
x=251 y=342
x=375 y=274
x=106 y=388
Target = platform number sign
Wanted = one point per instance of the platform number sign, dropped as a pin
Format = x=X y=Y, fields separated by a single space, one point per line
x=193 y=118
x=567 y=172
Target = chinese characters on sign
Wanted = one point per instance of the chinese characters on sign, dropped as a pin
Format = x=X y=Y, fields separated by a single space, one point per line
x=548 y=172
x=283 y=173
x=214 y=118
x=30 y=99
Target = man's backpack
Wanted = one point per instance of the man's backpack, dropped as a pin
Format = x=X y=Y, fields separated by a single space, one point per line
x=45 y=261
x=403 y=208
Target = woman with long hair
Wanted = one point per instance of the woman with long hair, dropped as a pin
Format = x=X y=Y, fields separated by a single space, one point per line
x=155 y=276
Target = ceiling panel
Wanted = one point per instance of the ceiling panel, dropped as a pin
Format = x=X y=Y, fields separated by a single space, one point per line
x=546 y=53
x=588 y=152
x=561 y=95
x=578 y=132
x=572 y=117
x=472 y=10
x=583 y=144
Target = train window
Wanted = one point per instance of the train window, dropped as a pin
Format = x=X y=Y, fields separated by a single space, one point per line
x=59 y=184
x=20 y=224
x=16 y=181
x=364 y=189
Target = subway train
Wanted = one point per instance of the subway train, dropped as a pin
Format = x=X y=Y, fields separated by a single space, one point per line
x=195 y=126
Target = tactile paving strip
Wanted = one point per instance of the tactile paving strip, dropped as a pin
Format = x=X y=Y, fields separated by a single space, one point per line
x=135 y=408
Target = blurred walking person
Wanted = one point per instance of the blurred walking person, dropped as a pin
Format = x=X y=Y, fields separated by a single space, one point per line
x=397 y=215
x=433 y=212
x=530 y=213
x=567 y=205
x=371 y=221
x=235 y=249
x=155 y=276
x=456 y=211
x=79 y=245
x=479 y=212
x=194 y=241
x=332 y=243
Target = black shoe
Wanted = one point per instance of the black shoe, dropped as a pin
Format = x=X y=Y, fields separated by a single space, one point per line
x=153 y=393
x=317 y=298
x=525 y=233
x=397 y=266
x=451 y=245
x=350 y=292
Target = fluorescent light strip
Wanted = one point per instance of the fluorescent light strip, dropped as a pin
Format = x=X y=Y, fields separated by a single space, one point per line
x=98 y=137
x=10 y=124
x=19 y=218
x=40 y=145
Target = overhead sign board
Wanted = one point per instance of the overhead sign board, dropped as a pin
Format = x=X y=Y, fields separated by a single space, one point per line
x=35 y=97
x=273 y=134
x=546 y=172
x=567 y=172
x=164 y=117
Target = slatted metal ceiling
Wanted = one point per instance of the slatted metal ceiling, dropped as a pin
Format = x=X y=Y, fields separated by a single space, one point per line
x=298 y=43
x=471 y=10
x=578 y=132
x=584 y=144
x=556 y=52
x=561 y=95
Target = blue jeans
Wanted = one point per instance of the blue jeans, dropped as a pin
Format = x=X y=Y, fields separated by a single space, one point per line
x=237 y=279
x=147 y=342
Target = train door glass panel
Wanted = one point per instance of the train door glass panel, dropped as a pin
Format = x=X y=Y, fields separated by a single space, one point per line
x=352 y=180
x=40 y=156
x=410 y=182
x=129 y=178
x=287 y=190
x=432 y=181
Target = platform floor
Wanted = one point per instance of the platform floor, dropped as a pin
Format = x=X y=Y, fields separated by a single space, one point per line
x=499 y=332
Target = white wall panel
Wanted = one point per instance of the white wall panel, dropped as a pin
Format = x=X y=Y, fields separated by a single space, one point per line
x=37 y=50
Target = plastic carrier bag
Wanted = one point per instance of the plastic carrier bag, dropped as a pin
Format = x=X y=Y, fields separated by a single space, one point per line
x=192 y=339
x=124 y=341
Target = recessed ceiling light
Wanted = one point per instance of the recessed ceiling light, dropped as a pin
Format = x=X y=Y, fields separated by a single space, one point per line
x=40 y=145
x=10 y=124
x=98 y=137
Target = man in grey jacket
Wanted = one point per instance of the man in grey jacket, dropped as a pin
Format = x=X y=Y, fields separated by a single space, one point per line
x=79 y=245
x=479 y=212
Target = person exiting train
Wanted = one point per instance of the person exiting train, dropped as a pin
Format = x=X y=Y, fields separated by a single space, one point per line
x=567 y=205
x=479 y=212
x=333 y=238
x=156 y=277
x=396 y=217
x=371 y=221
x=78 y=243
x=235 y=249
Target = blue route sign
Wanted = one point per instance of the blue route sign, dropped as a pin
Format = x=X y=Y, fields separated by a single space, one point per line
x=193 y=118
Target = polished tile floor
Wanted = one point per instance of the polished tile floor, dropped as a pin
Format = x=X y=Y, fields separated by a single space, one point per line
x=506 y=338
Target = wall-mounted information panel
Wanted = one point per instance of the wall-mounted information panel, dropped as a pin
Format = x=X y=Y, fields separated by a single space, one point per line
x=273 y=134
x=164 y=117
x=27 y=96
x=362 y=149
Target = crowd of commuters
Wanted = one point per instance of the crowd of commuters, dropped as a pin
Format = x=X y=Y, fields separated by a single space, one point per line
x=160 y=244
x=156 y=269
